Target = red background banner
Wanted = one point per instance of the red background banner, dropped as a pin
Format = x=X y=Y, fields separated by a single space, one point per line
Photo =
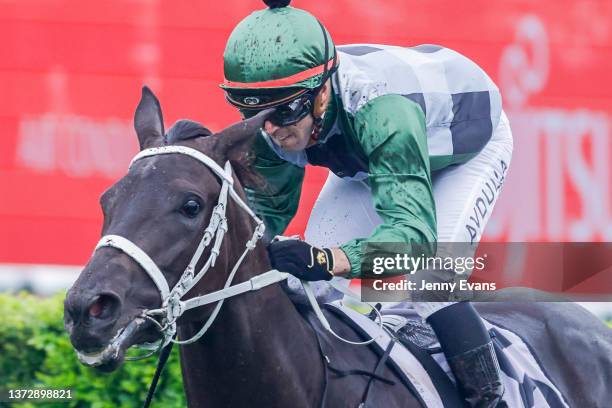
x=71 y=72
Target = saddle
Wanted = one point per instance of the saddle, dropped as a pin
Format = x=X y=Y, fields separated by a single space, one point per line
x=420 y=363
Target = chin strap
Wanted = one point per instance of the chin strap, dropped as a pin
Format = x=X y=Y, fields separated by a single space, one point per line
x=318 y=121
x=317 y=127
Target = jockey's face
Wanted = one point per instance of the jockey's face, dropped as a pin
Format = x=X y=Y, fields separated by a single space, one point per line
x=294 y=137
x=297 y=137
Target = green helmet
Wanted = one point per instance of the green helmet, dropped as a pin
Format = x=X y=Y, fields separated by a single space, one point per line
x=275 y=55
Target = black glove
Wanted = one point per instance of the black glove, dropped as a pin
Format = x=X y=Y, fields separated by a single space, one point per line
x=302 y=260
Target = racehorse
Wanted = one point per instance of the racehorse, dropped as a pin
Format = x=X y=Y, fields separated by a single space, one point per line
x=259 y=351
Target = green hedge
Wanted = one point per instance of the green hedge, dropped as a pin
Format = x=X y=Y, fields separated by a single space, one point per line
x=35 y=352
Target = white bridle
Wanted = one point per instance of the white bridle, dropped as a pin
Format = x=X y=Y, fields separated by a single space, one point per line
x=173 y=306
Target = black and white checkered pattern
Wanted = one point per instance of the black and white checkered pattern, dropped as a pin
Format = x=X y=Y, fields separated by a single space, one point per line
x=526 y=384
x=461 y=103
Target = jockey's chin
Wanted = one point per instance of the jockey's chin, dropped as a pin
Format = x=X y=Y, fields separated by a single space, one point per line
x=294 y=137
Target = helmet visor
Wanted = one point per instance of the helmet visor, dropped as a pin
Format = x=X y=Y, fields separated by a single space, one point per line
x=288 y=113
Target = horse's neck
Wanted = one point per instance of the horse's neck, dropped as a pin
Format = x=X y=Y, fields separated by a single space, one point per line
x=259 y=352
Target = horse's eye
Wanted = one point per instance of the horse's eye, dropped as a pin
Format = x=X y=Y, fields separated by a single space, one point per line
x=191 y=208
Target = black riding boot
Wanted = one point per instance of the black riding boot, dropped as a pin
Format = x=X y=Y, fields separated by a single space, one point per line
x=470 y=354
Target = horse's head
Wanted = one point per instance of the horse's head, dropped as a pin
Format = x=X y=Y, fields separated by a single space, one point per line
x=161 y=208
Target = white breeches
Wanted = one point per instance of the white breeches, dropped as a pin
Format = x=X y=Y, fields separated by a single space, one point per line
x=464 y=197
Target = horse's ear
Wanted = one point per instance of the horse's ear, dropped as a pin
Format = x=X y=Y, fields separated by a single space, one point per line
x=234 y=142
x=148 y=120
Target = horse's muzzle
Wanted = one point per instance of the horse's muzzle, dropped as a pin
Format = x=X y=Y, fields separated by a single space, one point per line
x=89 y=318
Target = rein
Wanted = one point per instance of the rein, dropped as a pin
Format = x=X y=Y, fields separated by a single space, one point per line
x=172 y=305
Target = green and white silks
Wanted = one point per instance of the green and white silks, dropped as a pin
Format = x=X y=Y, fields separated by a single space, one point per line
x=398 y=116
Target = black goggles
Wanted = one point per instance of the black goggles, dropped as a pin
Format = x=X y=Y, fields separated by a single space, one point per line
x=288 y=113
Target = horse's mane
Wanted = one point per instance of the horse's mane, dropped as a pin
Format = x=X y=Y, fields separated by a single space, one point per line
x=185 y=129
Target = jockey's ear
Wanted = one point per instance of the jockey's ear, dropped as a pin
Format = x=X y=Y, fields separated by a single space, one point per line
x=234 y=142
x=322 y=100
x=148 y=120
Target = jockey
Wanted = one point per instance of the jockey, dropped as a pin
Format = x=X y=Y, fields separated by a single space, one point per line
x=416 y=143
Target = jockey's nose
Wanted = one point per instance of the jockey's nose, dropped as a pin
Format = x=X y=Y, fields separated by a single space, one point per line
x=270 y=127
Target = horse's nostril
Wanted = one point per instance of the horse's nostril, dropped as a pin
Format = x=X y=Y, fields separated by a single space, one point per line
x=103 y=306
x=96 y=309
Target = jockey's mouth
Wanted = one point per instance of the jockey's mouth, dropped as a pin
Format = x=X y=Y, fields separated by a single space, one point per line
x=284 y=137
x=281 y=138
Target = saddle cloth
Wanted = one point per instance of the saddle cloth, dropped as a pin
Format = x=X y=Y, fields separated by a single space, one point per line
x=422 y=363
